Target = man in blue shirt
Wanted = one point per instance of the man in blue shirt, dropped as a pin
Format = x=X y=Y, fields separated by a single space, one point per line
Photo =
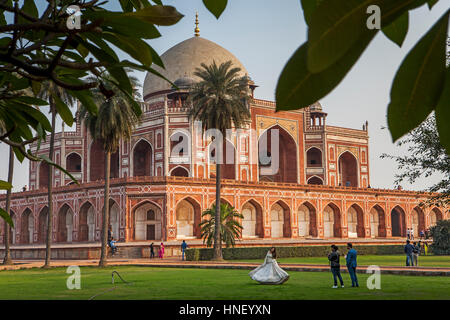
x=409 y=248
x=183 y=248
x=351 y=264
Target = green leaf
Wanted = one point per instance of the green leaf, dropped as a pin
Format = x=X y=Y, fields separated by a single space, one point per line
x=118 y=73
x=216 y=7
x=30 y=8
x=6 y=217
x=47 y=159
x=418 y=83
x=298 y=88
x=338 y=25
x=159 y=15
x=4 y=185
x=443 y=114
x=35 y=114
x=32 y=100
x=309 y=6
x=86 y=100
x=431 y=3
x=35 y=87
x=136 y=48
x=63 y=110
x=397 y=30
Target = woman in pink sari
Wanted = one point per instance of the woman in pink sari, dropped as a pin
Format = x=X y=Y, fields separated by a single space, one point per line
x=161 y=251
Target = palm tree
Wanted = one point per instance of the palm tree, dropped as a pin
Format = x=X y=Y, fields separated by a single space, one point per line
x=230 y=229
x=116 y=120
x=48 y=90
x=219 y=101
x=7 y=258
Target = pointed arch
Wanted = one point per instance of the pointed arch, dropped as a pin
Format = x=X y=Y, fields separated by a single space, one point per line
x=42 y=224
x=315 y=180
x=97 y=162
x=398 y=221
x=27 y=226
x=435 y=216
x=188 y=217
x=287 y=169
x=417 y=220
x=86 y=222
x=307 y=219
x=142 y=158
x=253 y=219
x=355 y=221
x=147 y=221
x=179 y=171
x=43 y=175
x=280 y=220
x=348 y=170
x=65 y=224
x=314 y=157
x=377 y=222
x=332 y=221
x=73 y=162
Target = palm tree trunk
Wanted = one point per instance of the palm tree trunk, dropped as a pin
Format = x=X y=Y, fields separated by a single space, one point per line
x=103 y=256
x=7 y=259
x=48 y=246
x=217 y=227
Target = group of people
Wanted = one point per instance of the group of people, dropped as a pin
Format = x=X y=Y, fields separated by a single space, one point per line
x=160 y=251
x=271 y=273
x=184 y=246
x=112 y=242
x=413 y=251
x=424 y=234
x=350 y=257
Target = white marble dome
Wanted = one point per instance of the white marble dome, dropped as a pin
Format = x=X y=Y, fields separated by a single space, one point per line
x=182 y=59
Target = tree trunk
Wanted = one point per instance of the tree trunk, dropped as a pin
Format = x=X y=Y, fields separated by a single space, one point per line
x=217 y=227
x=48 y=246
x=7 y=259
x=103 y=256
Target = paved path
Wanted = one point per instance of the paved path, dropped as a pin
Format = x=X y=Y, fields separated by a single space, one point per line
x=176 y=263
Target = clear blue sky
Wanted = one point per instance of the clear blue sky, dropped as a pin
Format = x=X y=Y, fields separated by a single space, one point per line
x=263 y=34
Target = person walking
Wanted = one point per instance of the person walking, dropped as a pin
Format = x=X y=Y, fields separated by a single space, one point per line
x=183 y=249
x=408 y=234
x=416 y=251
x=409 y=253
x=351 y=264
x=161 y=251
x=152 y=251
x=333 y=257
x=425 y=248
x=411 y=233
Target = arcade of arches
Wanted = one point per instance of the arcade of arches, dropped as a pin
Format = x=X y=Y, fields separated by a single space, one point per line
x=279 y=220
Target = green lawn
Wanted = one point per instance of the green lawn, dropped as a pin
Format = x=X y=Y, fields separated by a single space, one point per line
x=183 y=283
x=394 y=260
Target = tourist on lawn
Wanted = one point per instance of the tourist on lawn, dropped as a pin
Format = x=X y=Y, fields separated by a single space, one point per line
x=333 y=256
x=425 y=248
x=183 y=248
x=351 y=264
x=152 y=251
x=416 y=251
x=408 y=234
x=412 y=233
x=409 y=253
x=161 y=251
x=269 y=272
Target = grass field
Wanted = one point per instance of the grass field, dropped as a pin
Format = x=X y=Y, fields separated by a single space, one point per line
x=394 y=260
x=204 y=284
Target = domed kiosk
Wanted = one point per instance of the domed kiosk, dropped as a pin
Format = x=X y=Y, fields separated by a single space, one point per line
x=181 y=60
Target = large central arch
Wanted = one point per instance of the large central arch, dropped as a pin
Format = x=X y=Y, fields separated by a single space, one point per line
x=287 y=156
x=348 y=170
x=417 y=220
x=147 y=218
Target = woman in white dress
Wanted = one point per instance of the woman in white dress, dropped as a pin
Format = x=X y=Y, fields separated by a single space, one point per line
x=269 y=272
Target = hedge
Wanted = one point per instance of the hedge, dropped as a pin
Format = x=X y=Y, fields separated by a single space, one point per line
x=196 y=254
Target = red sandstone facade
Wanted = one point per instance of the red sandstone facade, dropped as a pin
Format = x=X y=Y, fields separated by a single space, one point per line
x=320 y=190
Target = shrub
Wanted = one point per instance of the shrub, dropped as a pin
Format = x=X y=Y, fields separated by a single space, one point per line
x=441 y=237
x=240 y=253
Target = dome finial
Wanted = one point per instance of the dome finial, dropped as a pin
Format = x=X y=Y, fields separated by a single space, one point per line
x=196 y=30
